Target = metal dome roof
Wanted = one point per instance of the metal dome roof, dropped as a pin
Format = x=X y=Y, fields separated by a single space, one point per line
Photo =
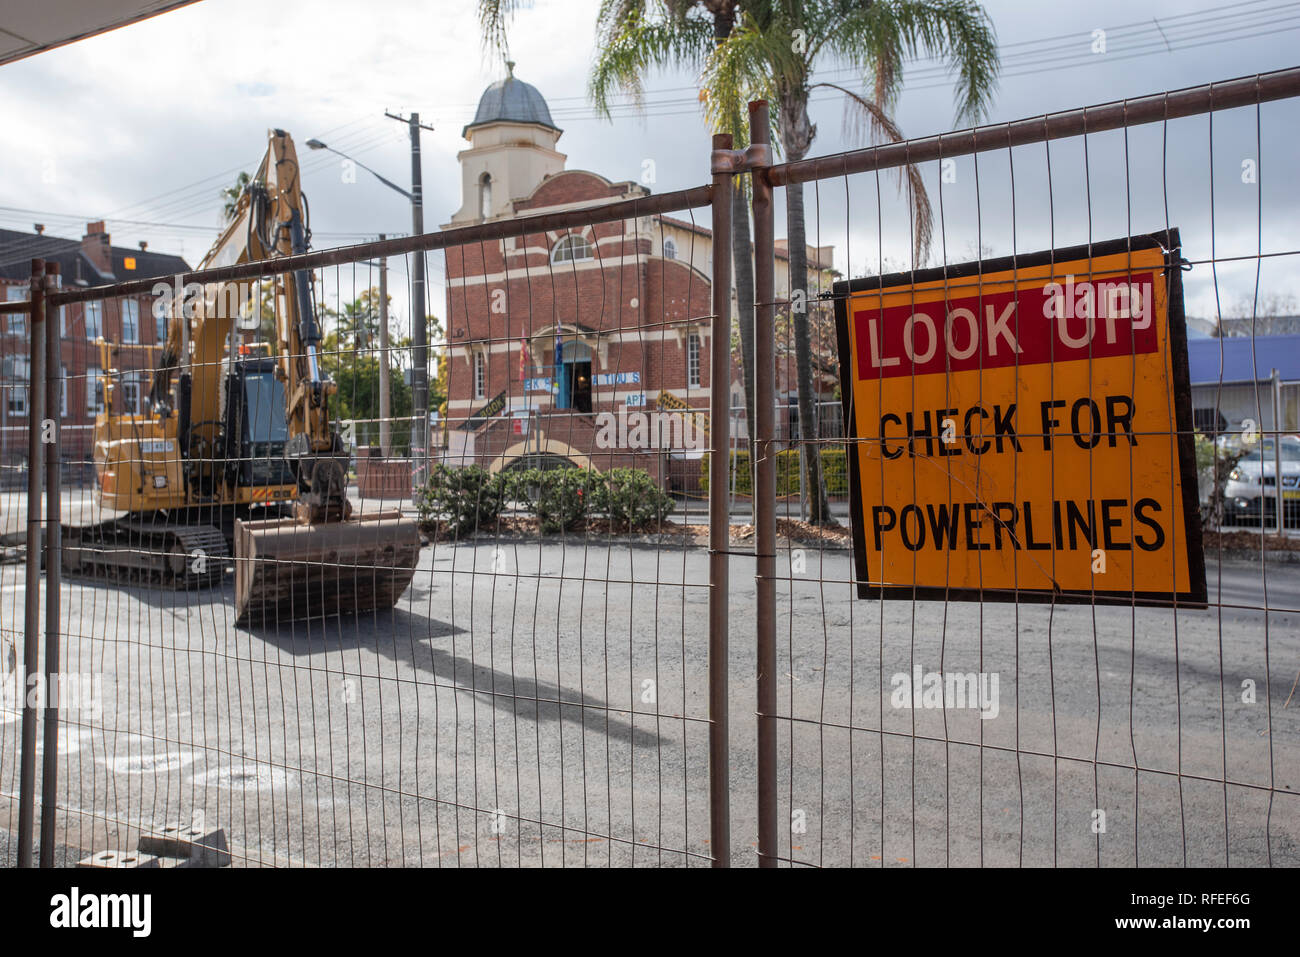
x=512 y=101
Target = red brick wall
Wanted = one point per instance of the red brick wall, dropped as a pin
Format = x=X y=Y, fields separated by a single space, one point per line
x=77 y=354
x=595 y=296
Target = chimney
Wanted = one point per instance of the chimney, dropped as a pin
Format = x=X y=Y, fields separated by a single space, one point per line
x=143 y=245
x=40 y=228
x=97 y=247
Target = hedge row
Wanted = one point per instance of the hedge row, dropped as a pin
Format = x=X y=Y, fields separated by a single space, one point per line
x=788 y=477
x=463 y=499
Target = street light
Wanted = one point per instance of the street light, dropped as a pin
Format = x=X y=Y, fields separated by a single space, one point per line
x=419 y=330
x=318 y=145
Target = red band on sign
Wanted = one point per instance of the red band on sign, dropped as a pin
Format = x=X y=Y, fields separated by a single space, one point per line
x=1060 y=321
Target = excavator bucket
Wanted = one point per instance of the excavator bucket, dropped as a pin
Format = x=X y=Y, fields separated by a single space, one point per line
x=286 y=571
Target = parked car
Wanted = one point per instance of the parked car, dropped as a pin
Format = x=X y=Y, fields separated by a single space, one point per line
x=1251 y=490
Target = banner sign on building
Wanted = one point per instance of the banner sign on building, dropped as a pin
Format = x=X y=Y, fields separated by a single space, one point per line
x=492 y=408
x=616 y=378
x=1022 y=429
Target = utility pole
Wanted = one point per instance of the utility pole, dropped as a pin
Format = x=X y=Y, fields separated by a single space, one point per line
x=419 y=334
x=385 y=402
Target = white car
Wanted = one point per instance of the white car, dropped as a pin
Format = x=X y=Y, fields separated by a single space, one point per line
x=1251 y=489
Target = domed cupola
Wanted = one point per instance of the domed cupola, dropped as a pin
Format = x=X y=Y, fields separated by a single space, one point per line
x=511 y=101
x=512 y=144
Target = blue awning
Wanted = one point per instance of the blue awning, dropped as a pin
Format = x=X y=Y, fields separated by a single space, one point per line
x=1270 y=352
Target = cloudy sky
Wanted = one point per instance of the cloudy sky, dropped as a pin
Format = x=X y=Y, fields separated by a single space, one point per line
x=144 y=125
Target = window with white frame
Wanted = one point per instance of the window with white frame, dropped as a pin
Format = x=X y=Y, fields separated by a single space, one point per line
x=485 y=196
x=63 y=392
x=480 y=375
x=17 y=375
x=94 y=391
x=130 y=320
x=17 y=320
x=571 y=248
x=130 y=395
x=670 y=249
x=94 y=313
x=693 y=360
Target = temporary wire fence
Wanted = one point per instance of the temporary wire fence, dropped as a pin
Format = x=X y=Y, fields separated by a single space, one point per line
x=536 y=695
x=558 y=684
x=959 y=726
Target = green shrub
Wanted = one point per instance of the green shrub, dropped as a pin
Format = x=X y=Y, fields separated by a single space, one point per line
x=835 y=471
x=631 y=499
x=461 y=498
x=788 y=472
x=560 y=498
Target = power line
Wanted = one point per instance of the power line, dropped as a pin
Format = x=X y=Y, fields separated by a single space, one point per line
x=1025 y=58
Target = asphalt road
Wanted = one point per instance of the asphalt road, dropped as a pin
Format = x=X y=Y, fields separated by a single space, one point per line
x=516 y=678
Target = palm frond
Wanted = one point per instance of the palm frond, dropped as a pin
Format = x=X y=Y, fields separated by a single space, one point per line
x=493 y=18
x=874 y=39
x=865 y=116
x=637 y=44
x=735 y=73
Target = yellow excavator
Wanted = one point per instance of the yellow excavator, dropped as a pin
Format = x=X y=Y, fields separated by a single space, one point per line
x=237 y=454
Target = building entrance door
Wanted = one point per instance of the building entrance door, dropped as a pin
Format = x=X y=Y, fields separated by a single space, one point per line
x=575 y=377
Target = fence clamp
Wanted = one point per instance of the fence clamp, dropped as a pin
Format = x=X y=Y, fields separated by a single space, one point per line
x=754 y=156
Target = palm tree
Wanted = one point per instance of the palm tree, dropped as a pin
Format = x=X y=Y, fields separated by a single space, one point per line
x=231 y=195
x=773 y=53
x=637 y=36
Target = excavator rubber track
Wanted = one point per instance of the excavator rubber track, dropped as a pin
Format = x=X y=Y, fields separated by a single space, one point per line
x=289 y=571
x=156 y=554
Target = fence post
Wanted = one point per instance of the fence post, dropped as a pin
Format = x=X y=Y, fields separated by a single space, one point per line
x=32 y=612
x=764 y=479
x=53 y=559
x=1276 y=383
x=719 y=515
x=385 y=388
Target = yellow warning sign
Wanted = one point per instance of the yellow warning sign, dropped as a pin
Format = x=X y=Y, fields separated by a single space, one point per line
x=1021 y=430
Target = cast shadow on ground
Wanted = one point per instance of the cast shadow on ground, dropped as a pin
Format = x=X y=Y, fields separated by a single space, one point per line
x=411 y=639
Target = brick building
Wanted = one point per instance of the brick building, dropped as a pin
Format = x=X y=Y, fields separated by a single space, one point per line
x=590 y=345
x=129 y=324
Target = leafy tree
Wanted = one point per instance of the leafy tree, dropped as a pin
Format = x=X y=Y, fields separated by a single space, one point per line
x=230 y=195
x=350 y=354
x=637 y=36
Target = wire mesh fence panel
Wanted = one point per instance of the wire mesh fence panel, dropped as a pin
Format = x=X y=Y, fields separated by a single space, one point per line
x=998 y=699
x=339 y=622
x=359 y=568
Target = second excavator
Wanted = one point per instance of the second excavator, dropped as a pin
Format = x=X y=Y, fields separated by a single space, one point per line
x=237 y=450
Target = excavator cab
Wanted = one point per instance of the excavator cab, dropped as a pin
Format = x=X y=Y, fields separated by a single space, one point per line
x=256 y=430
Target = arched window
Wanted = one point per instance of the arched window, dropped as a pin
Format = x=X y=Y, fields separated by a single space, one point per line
x=485 y=196
x=571 y=248
x=670 y=249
